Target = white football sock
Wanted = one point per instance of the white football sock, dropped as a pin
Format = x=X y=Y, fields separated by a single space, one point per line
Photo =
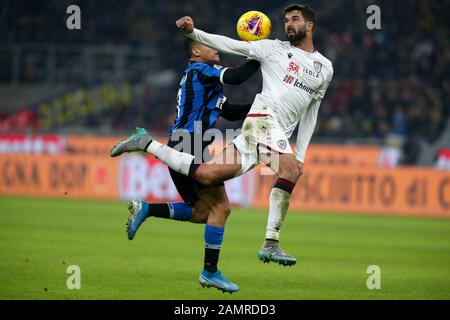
x=153 y=147
x=175 y=160
x=279 y=203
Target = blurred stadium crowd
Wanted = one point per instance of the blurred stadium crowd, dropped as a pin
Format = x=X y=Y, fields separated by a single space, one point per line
x=389 y=82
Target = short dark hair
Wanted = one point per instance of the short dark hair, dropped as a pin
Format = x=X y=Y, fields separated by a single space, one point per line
x=307 y=12
x=188 y=45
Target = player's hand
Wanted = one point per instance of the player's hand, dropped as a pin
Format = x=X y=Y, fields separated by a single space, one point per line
x=186 y=24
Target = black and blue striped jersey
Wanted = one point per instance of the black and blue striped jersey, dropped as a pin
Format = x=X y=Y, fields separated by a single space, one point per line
x=200 y=98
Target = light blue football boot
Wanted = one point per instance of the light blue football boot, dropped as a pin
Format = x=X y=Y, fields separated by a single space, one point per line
x=217 y=280
x=138 y=213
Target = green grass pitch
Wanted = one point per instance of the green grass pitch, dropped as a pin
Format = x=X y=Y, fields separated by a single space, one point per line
x=40 y=238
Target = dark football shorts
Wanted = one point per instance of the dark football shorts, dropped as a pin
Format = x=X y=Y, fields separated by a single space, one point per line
x=187 y=187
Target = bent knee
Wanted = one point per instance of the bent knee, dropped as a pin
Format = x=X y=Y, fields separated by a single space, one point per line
x=290 y=172
x=206 y=178
x=221 y=209
x=226 y=209
x=201 y=212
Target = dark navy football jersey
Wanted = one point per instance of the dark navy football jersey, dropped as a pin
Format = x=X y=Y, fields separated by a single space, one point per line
x=200 y=98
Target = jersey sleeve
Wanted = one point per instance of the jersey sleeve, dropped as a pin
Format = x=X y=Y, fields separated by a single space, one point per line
x=210 y=75
x=323 y=88
x=309 y=120
x=235 y=76
x=221 y=43
x=261 y=49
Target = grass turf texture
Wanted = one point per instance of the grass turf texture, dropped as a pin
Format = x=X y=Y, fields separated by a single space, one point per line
x=40 y=238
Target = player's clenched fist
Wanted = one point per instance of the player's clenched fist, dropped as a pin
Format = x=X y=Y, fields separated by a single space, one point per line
x=186 y=24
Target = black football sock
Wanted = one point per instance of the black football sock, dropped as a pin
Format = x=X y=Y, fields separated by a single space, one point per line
x=211 y=259
x=160 y=210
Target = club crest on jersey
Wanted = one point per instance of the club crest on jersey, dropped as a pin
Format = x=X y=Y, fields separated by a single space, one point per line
x=282 y=144
x=293 y=67
x=317 y=66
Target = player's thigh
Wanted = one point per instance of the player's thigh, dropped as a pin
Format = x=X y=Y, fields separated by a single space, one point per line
x=186 y=186
x=221 y=167
x=188 y=189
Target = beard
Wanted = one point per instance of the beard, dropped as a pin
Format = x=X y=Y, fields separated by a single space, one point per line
x=296 y=35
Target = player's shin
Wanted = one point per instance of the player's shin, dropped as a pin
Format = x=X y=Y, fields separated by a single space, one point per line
x=213 y=243
x=279 y=203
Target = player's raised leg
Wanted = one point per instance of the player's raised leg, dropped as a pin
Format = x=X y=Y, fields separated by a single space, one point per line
x=222 y=167
x=288 y=170
x=211 y=276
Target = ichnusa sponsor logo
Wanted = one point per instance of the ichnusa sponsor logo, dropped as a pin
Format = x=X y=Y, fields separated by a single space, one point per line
x=298 y=84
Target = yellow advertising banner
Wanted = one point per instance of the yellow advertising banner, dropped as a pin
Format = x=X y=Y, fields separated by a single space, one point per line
x=408 y=191
x=342 y=155
x=91 y=145
x=405 y=191
x=78 y=177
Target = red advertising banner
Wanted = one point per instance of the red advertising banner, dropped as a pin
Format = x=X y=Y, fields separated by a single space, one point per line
x=22 y=143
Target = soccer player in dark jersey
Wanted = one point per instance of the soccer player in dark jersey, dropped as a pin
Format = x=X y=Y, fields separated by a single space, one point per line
x=200 y=102
x=295 y=77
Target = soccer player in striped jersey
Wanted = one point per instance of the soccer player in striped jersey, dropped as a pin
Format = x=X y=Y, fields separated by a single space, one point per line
x=295 y=79
x=200 y=102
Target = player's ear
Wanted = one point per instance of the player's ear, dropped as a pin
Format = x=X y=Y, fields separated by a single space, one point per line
x=196 y=52
x=309 y=26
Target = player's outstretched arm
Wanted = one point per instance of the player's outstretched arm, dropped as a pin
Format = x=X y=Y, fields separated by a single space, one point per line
x=220 y=43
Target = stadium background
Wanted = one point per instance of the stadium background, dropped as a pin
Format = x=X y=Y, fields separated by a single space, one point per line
x=381 y=147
